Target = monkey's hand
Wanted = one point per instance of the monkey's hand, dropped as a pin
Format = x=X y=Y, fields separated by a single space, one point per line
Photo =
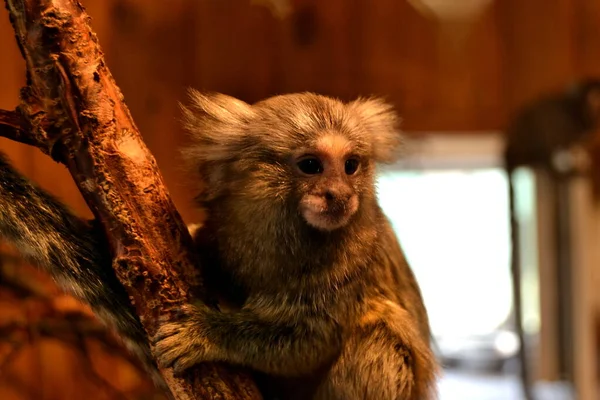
x=181 y=342
x=270 y=342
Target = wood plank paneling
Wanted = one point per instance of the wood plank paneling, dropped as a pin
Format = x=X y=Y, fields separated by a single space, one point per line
x=515 y=51
x=539 y=53
x=437 y=82
x=587 y=37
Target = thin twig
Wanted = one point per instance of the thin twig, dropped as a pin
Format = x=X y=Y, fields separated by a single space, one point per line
x=14 y=127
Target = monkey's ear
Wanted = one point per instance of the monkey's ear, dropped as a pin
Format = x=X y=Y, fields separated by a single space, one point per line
x=216 y=110
x=383 y=124
x=217 y=126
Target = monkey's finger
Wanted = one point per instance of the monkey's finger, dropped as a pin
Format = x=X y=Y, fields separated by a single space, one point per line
x=181 y=364
x=166 y=331
x=167 y=360
x=182 y=313
x=171 y=353
x=167 y=352
x=165 y=319
x=174 y=315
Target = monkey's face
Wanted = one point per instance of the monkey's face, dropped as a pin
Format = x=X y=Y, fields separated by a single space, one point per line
x=327 y=176
x=301 y=156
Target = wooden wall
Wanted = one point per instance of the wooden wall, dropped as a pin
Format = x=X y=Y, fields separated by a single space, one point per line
x=438 y=79
x=511 y=53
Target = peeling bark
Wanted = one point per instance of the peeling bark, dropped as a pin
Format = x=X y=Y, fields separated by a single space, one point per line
x=73 y=110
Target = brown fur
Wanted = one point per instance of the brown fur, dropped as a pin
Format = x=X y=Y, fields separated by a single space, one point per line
x=330 y=301
x=328 y=312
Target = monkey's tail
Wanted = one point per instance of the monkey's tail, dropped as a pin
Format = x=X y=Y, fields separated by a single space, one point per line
x=73 y=252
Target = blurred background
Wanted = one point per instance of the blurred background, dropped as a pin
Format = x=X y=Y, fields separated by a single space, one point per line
x=496 y=200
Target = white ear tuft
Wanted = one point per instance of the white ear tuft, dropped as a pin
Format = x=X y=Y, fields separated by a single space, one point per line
x=383 y=124
x=214 y=108
x=217 y=125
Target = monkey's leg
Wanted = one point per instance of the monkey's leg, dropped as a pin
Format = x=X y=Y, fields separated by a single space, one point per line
x=272 y=344
x=383 y=359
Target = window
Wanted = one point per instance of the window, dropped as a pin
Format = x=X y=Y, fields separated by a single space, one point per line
x=454 y=228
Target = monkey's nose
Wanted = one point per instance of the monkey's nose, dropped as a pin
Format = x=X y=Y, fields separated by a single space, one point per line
x=337 y=195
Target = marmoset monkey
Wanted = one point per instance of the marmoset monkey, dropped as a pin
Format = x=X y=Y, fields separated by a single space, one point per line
x=325 y=300
x=292 y=209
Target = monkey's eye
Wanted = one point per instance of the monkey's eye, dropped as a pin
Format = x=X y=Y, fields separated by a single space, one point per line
x=310 y=165
x=351 y=166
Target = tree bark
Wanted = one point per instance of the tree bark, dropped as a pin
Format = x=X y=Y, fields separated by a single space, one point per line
x=72 y=109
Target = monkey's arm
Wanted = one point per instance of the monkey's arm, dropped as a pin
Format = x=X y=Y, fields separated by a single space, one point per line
x=71 y=250
x=275 y=344
x=386 y=343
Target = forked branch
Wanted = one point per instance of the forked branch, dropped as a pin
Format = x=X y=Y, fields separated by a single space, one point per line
x=73 y=110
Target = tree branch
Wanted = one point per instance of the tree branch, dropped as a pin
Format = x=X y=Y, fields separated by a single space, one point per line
x=73 y=110
x=14 y=127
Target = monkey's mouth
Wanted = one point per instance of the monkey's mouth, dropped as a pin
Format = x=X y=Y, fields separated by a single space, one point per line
x=326 y=214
